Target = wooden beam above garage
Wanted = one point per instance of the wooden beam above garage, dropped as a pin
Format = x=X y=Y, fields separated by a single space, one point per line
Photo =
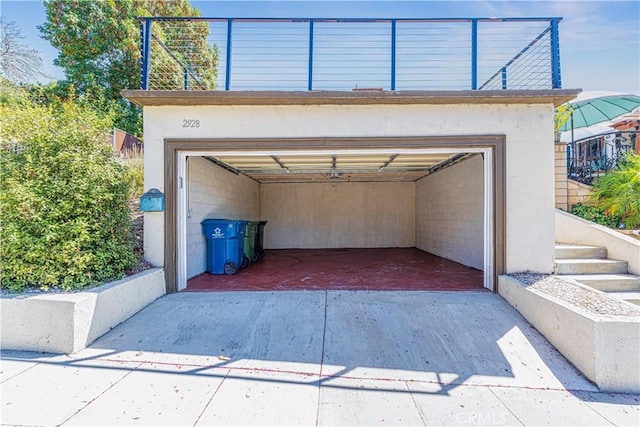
x=146 y=98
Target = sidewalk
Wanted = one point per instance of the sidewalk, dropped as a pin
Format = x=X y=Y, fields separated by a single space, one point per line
x=312 y=358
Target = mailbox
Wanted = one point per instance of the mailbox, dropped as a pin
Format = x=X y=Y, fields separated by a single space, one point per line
x=152 y=201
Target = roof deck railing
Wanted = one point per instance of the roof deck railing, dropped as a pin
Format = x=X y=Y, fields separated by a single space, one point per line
x=345 y=54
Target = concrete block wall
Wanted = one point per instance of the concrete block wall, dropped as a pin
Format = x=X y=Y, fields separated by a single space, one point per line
x=577 y=192
x=340 y=215
x=214 y=192
x=449 y=213
x=561 y=176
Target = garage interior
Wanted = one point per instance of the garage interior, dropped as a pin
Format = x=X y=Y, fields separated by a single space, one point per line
x=341 y=219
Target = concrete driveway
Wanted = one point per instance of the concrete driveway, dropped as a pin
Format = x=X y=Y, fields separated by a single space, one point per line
x=312 y=358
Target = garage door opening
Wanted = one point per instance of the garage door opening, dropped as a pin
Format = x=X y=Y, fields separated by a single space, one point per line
x=436 y=203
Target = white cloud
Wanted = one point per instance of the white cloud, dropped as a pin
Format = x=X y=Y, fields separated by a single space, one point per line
x=599 y=40
x=586 y=25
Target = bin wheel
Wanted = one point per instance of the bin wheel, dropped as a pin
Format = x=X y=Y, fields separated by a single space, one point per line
x=255 y=258
x=245 y=262
x=230 y=268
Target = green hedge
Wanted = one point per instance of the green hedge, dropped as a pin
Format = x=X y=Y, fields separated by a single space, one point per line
x=65 y=220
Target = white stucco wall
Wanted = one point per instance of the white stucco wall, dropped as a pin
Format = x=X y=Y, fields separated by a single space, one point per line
x=528 y=130
x=214 y=192
x=340 y=215
x=449 y=213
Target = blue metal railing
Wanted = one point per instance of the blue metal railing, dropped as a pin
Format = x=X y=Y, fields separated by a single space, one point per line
x=343 y=54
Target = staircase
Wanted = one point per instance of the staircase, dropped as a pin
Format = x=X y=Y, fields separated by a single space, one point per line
x=589 y=265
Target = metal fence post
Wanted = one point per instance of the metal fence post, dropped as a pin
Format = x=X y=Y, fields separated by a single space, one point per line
x=393 y=54
x=145 y=52
x=474 y=54
x=556 y=80
x=310 y=62
x=504 y=78
x=227 y=79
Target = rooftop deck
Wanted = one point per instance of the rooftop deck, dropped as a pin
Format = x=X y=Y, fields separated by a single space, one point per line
x=307 y=54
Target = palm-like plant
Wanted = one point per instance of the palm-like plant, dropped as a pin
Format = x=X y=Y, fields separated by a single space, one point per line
x=618 y=192
x=560 y=117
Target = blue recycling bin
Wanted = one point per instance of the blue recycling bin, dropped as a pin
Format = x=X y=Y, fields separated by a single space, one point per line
x=225 y=245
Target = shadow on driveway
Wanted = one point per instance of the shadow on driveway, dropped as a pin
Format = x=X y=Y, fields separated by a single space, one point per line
x=314 y=357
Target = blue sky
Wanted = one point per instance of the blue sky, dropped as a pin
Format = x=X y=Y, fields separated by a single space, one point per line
x=599 y=40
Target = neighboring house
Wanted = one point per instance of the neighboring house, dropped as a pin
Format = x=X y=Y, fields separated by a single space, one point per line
x=446 y=171
x=594 y=156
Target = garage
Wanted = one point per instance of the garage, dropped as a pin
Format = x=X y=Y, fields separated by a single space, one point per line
x=368 y=219
x=465 y=176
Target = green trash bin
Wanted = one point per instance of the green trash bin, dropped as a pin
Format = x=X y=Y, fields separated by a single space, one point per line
x=250 y=241
x=260 y=253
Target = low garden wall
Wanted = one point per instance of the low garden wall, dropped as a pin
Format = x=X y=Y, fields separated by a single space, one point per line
x=572 y=229
x=605 y=348
x=66 y=323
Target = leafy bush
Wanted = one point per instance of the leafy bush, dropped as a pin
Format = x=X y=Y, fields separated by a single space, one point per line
x=618 y=192
x=595 y=214
x=12 y=95
x=65 y=219
x=134 y=172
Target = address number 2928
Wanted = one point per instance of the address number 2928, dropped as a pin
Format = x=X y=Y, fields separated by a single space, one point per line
x=190 y=123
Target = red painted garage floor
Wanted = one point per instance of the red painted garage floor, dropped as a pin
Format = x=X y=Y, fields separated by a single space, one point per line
x=346 y=269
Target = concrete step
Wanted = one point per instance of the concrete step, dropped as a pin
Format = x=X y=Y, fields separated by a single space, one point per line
x=590 y=266
x=571 y=251
x=608 y=282
x=632 y=297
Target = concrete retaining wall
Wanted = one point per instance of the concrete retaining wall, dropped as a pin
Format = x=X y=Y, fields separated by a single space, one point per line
x=449 y=213
x=606 y=349
x=572 y=229
x=66 y=323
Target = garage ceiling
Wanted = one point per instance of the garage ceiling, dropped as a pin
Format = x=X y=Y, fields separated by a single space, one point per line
x=324 y=167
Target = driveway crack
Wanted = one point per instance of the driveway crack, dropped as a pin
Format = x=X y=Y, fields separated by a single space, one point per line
x=506 y=406
x=418 y=408
x=100 y=395
x=211 y=398
x=324 y=335
x=587 y=403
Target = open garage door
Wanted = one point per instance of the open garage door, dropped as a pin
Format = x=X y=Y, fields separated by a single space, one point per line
x=441 y=200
